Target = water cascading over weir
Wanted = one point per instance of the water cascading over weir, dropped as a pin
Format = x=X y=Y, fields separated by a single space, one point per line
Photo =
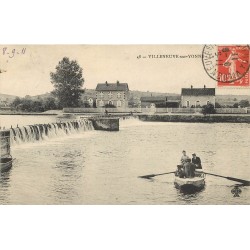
x=37 y=132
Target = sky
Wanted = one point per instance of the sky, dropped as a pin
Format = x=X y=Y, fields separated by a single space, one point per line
x=28 y=67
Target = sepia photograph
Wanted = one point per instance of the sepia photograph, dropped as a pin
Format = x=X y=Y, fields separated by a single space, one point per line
x=124 y=124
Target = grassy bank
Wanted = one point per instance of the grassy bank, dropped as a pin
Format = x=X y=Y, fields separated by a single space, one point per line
x=12 y=112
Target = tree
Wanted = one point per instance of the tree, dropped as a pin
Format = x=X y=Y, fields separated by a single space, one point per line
x=49 y=103
x=208 y=109
x=29 y=105
x=217 y=105
x=86 y=105
x=37 y=106
x=16 y=102
x=244 y=103
x=68 y=82
x=109 y=105
x=236 y=105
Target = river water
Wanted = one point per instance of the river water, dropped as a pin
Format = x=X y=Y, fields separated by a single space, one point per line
x=97 y=167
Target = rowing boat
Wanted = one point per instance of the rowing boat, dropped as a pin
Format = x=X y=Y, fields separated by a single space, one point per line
x=197 y=182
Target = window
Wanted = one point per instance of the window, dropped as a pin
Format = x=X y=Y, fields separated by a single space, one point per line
x=188 y=104
x=101 y=95
x=198 y=104
x=101 y=104
x=208 y=102
x=110 y=95
x=119 y=103
x=119 y=95
x=111 y=103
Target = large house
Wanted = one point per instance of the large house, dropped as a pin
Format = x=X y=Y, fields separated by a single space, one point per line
x=197 y=97
x=112 y=94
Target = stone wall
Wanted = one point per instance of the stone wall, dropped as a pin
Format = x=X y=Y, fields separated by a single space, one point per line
x=197 y=118
x=106 y=124
x=4 y=143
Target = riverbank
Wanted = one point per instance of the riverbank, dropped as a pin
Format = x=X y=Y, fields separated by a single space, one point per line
x=49 y=112
x=160 y=117
x=196 y=118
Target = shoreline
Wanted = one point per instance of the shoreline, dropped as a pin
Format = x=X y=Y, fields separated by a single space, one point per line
x=161 y=117
x=35 y=114
x=30 y=113
x=195 y=118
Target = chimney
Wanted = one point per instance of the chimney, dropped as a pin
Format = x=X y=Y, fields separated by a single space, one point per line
x=106 y=83
x=204 y=86
x=117 y=82
x=191 y=86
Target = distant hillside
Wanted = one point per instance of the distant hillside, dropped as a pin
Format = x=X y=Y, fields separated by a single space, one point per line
x=135 y=94
x=230 y=100
x=42 y=96
x=232 y=97
x=4 y=97
x=6 y=100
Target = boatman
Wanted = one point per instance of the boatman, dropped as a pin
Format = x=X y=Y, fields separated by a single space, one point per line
x=197 y=161
x=189 y=169
x=184 y=157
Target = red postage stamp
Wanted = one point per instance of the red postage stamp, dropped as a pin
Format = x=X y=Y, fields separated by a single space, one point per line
x=228 y=65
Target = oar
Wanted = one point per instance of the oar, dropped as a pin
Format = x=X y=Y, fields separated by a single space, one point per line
x=245 y=182
x=153 y=175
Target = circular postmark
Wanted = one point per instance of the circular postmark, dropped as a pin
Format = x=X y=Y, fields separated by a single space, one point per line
x=227 y=64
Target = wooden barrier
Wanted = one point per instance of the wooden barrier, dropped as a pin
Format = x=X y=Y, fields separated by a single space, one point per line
x=4 y=143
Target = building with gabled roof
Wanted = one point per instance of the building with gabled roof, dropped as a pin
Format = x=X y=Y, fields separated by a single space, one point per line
x=159 y=102
x=112 y=94
x=197 y=97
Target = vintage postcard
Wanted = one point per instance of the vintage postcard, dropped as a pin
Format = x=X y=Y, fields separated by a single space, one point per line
x=125 y=124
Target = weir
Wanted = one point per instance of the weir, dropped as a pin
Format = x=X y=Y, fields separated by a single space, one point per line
x=37 y=132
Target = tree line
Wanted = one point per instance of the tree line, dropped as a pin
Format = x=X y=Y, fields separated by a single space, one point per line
x=241 y=103
x=28 y=104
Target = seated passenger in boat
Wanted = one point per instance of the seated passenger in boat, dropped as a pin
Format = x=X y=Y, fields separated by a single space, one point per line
x=197 y=161
x=189 y=169
x=180 y=172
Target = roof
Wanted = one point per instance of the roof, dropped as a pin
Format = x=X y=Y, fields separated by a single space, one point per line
x=174 y=101
x=112 y=87
x=173 y=97
x=198 y=91
x=153 y=99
